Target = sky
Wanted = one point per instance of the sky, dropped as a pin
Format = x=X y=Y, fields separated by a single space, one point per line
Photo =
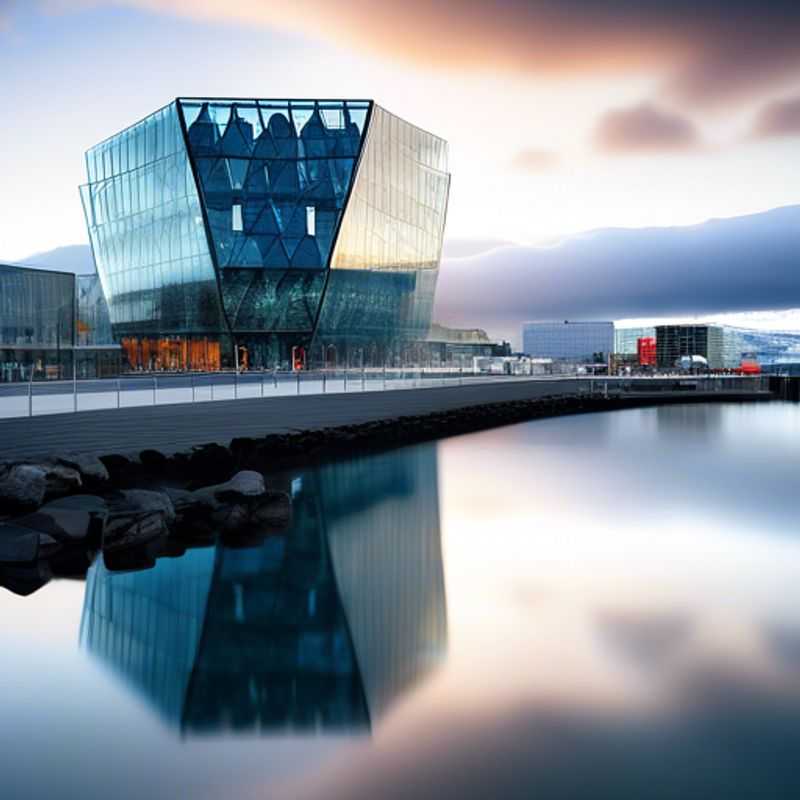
x=562 y=116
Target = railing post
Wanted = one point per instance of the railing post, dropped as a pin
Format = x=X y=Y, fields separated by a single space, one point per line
x=235 y=385
x=298 y=383
x=191 y=378
x=262 y=384
x=384 y=377
x=324 y=376
x=345 y=379
x=362 y=379
x=118 y=388
x=275 y=377
x=74 y=384
x=30 y=394
x=155 y=386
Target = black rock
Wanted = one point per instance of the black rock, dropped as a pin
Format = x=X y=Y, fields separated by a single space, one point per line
x=211 y=462
x=118 y=466
x=153 y=460
x=18 y=544
x=92 y=470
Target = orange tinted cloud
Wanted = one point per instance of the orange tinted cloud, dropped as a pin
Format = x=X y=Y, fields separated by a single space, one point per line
x=534 y=161
x=714 y=52
x=644 y=129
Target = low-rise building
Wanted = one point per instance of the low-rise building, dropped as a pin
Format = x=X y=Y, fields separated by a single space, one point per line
x=673 y=342
x=577 y=342
x=459 y=346
x=51 y=324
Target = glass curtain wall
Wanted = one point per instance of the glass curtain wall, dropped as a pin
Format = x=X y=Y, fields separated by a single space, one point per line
x=37 y=323
x=384 y=268
x=149 y=241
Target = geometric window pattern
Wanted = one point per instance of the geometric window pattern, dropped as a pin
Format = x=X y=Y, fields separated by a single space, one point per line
x=265 y=169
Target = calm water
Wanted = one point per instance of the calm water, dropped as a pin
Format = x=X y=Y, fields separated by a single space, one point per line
x=596 y=606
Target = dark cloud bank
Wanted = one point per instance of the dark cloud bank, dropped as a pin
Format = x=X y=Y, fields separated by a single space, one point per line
x=742 y=264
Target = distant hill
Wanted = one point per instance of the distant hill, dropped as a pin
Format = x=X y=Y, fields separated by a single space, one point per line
x=75 y=258
x=745 y=263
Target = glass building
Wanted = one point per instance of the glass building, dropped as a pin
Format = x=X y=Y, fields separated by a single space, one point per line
x=569 y=341
x=50 y=321
x=626 y=340
x=37 y=323
x=267 y=232
x=675 y=341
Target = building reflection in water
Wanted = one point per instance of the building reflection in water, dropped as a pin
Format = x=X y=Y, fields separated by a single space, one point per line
x=322 y=627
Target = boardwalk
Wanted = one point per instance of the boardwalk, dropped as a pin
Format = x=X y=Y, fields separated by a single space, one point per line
x=175 y=427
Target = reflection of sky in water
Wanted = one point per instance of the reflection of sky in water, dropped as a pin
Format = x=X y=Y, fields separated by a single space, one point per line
x=622 y=621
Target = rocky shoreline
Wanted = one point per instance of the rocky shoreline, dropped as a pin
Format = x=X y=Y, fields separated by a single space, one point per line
x=129 y=528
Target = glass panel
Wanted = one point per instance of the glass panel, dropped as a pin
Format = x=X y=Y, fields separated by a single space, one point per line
x=149 y=242
x=395 y=217
x=36 y=307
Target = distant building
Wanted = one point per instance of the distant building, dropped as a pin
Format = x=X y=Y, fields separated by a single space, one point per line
x=49 y=323
x=765 y=347
x=37 y=323
x=626 y=339
x=449 y=346
x=676 y=341
x=583 y=342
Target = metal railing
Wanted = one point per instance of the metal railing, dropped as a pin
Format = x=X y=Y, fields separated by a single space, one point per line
x=55 y=397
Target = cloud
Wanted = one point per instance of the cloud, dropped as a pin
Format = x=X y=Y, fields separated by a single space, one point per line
x=741 y=264
x=712 y=53
x=535 y=161
x=779 y=118
x=644 y=129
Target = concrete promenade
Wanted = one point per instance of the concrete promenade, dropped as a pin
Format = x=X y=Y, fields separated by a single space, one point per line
x=176 y=427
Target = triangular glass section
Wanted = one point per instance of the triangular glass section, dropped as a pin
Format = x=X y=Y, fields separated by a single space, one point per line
x=274 y=168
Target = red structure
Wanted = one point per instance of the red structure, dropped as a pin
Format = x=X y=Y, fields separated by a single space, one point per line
x=749 y=367
x=646 y=350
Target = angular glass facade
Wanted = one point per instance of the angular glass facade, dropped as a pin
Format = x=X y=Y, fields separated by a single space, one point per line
x=251 y=228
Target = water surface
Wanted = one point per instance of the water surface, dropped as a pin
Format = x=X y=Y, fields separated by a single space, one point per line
x=594 y=606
